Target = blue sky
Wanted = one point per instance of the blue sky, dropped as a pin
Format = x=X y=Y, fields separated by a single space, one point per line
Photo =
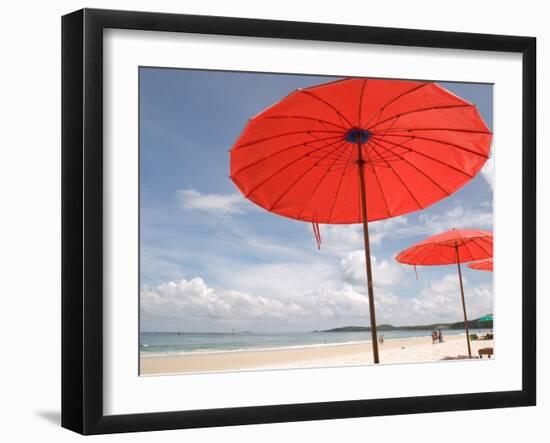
x=212 y=261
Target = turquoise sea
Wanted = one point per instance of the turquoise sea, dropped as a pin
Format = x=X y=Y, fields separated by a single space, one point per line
x=163 y=343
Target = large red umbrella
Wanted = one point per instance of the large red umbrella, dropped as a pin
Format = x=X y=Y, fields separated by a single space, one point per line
x=359 y=150
x=482 y=265
x=454 y=246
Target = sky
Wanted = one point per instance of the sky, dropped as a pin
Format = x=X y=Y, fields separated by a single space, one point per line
x=211 y=261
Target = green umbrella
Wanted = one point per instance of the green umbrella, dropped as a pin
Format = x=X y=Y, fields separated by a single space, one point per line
x=488 y=317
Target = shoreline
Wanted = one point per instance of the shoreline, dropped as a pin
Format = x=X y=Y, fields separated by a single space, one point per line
x=276 y=348
x=365 y=341
x=399 y=350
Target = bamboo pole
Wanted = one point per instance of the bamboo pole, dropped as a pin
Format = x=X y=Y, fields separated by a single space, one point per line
x=463 y=303
x=362 y=192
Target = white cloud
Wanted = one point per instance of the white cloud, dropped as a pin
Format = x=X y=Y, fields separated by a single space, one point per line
x=191 y=304
x=341 y=239
x=193 y=299
x=280 y=279
x=263 y=244
x=443 y=297
x=381 y=229
x=162 y=263
x=488 y=172
x=441 y=302
x=457 y=217
x=385 y=273
x=214 y=204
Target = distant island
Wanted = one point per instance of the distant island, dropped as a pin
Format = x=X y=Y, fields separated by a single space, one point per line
x=472 y=324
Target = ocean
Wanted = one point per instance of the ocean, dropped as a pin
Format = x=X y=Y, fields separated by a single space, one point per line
x=172 y=343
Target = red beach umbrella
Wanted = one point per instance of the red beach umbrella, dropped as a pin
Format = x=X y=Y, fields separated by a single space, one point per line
x=454 y=246
x=482 y=265
x=358 y=150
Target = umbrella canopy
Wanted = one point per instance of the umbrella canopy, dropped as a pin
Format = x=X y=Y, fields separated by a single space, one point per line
x=454 y=246
x=482 y=265
x=441 y=249
x=418 y=144
x=358 y=150
x=488 y=317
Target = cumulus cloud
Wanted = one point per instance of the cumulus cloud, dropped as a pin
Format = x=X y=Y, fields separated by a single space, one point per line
x=193 y=304
x=280 y=279
x=341 y=239
x=441 y=302
x=488 y=172
x=456 y=217
x=385 y=273
x=214 y=204
x=381 y=229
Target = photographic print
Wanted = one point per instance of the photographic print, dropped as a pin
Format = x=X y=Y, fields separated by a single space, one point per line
x=297 y=239
x=299 y=221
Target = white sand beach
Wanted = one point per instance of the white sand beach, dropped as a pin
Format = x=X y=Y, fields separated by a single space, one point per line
x=413 y=350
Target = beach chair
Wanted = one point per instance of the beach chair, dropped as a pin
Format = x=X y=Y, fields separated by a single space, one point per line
x=486 y=336
x=485 y=351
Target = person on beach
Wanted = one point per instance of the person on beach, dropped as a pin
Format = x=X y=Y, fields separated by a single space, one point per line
x=440 y=334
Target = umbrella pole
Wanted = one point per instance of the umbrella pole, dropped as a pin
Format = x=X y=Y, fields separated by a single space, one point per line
x=463 y=304
x=360 y=163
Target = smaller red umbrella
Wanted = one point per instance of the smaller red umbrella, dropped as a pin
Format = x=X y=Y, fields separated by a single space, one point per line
x=454 y=246
x=482 y=265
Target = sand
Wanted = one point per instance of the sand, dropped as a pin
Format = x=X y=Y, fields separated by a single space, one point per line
x=412 y=350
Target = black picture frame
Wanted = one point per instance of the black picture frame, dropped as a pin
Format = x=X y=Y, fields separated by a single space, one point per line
x=82 y=216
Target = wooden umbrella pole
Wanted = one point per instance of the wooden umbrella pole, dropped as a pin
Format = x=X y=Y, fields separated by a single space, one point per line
x=463 y=303
x=360 y=163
